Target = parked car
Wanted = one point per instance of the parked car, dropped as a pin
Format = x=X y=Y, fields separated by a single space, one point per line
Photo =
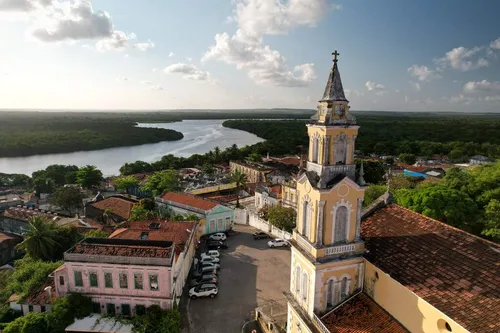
x=260 y=235
x=204 y=270
x=278 y=242
x=209 y=259
x=210 y=264
x=202 y=279
x=204 y=290
x=211 y=253
x=220 y=236
x=216 y=245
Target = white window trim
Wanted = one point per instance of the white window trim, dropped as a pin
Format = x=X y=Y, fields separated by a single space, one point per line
x=348 y=205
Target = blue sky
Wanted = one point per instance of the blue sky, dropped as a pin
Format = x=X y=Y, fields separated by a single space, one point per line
x=209 y=54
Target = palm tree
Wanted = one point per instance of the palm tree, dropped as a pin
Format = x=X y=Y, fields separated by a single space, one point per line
x=41 y=238
x=240 y=179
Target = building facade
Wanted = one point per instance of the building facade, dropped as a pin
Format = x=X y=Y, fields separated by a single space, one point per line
x=268 y=196
x=255 y=173
x=121 y=276
x=289 y=194
x=214 y=216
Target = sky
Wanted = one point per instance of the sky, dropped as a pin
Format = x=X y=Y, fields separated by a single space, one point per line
x=395 y=55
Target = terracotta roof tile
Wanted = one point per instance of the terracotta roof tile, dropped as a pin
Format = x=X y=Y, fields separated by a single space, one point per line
x=456 y=272
x=189 y=200
x=361 y=315
x=41 y=297
x=118 y=205
x=22 y=214
x=110 y=247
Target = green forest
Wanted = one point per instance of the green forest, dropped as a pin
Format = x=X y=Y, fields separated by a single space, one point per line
x=457 y=135
x=24 y=133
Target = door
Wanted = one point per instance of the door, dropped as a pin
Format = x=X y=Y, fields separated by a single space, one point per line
x=212 y=226
x=220 y=226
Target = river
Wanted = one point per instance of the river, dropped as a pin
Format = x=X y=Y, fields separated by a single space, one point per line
x=200 y=136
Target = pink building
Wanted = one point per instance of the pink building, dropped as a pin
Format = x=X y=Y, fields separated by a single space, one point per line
x=121 y=276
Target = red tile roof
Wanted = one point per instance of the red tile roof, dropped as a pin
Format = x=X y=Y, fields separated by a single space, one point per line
x=361 y=315
x=22 y=214
x=224 y=197
x=168 y=231
x=189 y=200
x=454 y=271
x=144 y=251
x=40 y=296
x=118 y=205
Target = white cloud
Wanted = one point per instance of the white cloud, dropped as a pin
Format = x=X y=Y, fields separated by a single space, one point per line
x=157 y=87
x=171 y=54
x=122 y=78
x=493 y=99
x=353 y=93
x=144 y=46
x=190 y=72
x=246 y=49
x=370 y=85
x=145 y=82
x=461 y=99
x=415 y=85
x=189 y=59
x=423 y=73
x=495 y=44
x=461 y=58
x=481 y=86
x=270 y=17
x=23 y=5
x=118 y=41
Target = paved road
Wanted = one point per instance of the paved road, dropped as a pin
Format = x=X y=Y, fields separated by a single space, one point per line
x=251 y=275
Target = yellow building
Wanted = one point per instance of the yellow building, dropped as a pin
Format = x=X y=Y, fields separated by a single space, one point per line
x=385 y=269
x=255 y=173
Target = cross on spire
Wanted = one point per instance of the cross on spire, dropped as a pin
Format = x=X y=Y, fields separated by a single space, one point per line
x=335 y=54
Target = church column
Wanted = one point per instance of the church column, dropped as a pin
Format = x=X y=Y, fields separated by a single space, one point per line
x=358 y=220
x=353 y=148
x=319 y=223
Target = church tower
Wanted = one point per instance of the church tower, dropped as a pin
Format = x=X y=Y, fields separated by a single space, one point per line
x=327 y=251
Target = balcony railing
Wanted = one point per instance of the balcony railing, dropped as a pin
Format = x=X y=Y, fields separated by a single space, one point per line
x=303 y=242
x=339 y=249
x=319 y=324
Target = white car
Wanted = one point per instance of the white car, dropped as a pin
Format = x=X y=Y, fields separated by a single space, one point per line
x=211 y=253
x=209 y=259
x=212 y=265
x=220 y=236
x=278 y=242
x=204 y=290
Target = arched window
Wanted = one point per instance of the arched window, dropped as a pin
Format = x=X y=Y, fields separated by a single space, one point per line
x=305 y=210
x=329 y=293
x=340 y=151
x=305 y=288
x=340 y=225
x=297 y=279
x=315 y=149
x=344 y=291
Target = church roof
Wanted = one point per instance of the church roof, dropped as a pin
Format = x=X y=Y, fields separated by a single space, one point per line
x=361 y=314
x=334 y=90
x=454 y=271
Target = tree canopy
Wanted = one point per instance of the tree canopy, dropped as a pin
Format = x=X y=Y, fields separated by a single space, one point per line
x=89 y=176
x=41 y=238
x=282 y=217
x=125 y=183
x=67 y=198
x=162 y=181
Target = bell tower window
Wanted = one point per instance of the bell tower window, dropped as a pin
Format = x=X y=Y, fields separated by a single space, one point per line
x=340 y=234
x=306 y=219
x=315 y=149
x=340 y=153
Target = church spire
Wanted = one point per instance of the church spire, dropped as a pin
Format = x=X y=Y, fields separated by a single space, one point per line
x=334 y=90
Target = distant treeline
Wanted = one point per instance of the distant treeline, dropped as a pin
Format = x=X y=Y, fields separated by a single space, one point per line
x=458 y=136
x=32 y=133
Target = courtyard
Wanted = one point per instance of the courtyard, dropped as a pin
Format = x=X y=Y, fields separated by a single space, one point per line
x=251 y=275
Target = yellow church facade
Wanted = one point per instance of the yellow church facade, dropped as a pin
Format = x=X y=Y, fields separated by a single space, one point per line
x=392 y=283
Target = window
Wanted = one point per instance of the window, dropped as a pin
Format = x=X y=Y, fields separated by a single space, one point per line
x=138 y=280
x=305 y=213
x=30 y=308
x=144 y=235
x=344 y=289
x=340 y=151
x=96 y=307
x=108 y=280
x=42 y=308
x=340 y=224
x=305 y=283
x=110 y=308
x=78 y=279
x=123 y=280
x=140 y=310
x=93 y=279
x=125 y=310
x=153 y=282
x=220 y=227
x=315 y=149
x=228 y=222
x=297 y=279
x=61 y=280
x=329 y=293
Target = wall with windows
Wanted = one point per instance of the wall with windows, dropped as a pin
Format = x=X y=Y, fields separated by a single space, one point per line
x=116 y=282
x=417 y=315
x=295 y=323
x=302 y=281
x=342 y=140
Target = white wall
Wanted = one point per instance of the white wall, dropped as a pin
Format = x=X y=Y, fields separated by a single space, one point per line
x=263 y=225
x=240 y=216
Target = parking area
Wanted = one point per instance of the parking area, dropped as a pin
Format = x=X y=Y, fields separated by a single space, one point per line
x=251 y=275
